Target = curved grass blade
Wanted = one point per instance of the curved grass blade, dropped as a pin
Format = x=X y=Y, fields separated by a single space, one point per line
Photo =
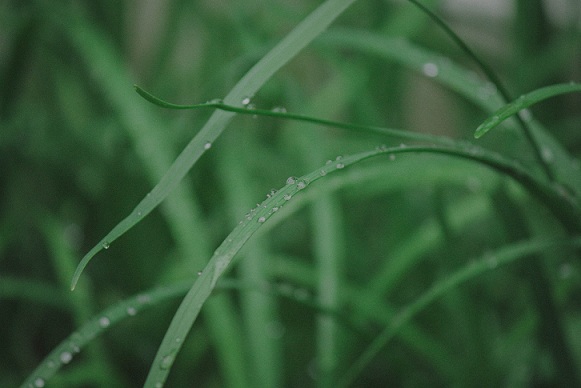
x=524 y=102
x=68 y=348
x=488 y=262
x=64 y=353
x=219 y=104
x=463 y=81
x=224 y=254
x=284 y=51
x=496 y=81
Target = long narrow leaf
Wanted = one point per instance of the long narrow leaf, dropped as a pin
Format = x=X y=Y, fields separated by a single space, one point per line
x=257 y=76
x=523 y=102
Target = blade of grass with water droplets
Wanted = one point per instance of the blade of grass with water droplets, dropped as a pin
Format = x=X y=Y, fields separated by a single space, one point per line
x=224 y=254
x=524 y=102
x=296 y=117
x=257 y=76
x=72 y=345
x=191 y=305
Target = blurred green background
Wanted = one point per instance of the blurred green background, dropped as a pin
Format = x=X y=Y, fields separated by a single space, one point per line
x=79 y=149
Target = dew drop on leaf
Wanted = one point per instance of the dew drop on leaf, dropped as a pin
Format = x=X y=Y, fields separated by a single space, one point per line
x=167 y=361
x=301 y=185
x=39 y=383
x=430 y=69
x=547 y=154
x=262 y=219
x=104 y=322
x=66 y=357
x=340 y=165
x=287 y=197
x=208 y=145
x=106 y=245
x=131 y=311
x=291 y=180
x=246 y=101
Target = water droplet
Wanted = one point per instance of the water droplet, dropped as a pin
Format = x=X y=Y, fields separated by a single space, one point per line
x=246 y=101
x=526 y=115
x=323 y=172
x=51 y=364
x=215 y=101
x=104 y=322
x=565 y=271
x=131 y=311
x=106 y=245
x=158 y=385
x=279 y=109
x=329 y=161
x=200 y=273
x=291 y=180
x=66 y=357
x=139 y=214
x=271 y=193
x=262 y=219
x=208 y=145
x=340 y=165
x=143 y=298
x=287 y=197
x=167 y=361
x=547 y=155
x=392 y=157
x=275 y=209
x=39 y=383
x=339 y=157
x=430 y=69
x=301 y=184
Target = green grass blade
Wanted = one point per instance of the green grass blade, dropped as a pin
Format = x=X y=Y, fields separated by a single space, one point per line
x=488 y=262
x=524 y=102
x=72 y=345
x=219 y=104
x=463 y=81
x=283 y=52
x=495 y=80
x=223 y=256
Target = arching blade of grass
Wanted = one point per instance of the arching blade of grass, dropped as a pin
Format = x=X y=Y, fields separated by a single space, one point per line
x=219 y=104
x=524 y=102
x=71 y=346
x=224 y=254
x=501 y=257
x=534 y=143
x=67 y=350
x=283 y=52
x=466 y=83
